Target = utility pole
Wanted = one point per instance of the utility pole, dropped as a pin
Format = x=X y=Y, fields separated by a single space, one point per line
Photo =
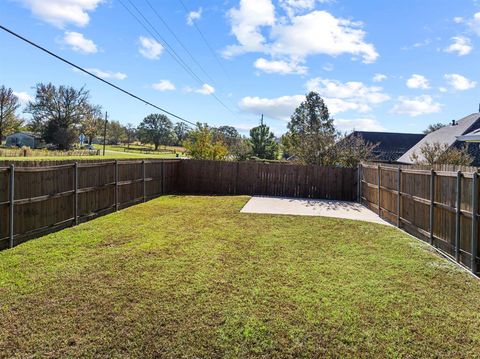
x=105 y=132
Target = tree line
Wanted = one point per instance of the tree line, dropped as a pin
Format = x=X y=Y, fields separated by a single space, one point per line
x=59 y=114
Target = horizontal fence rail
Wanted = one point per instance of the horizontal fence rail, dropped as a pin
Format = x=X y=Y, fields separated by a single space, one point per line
x=440 y=207
x=40 y=199
x=267 y=179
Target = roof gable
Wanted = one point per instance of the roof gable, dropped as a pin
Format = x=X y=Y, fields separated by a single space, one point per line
x=447 y=135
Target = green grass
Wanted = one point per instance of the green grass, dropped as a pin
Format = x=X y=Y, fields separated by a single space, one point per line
x=109 y=155
x=192 y=277
x=111 y=152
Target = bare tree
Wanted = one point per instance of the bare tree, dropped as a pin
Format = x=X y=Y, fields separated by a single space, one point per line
x=433 y=127
x=441 y=153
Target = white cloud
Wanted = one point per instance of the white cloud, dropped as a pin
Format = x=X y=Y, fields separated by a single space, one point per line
x=474 y=23
x=246 y=22
x=79 y=43
x=164 y=85
x=379 y=77
x=293 y=7
x=458 y=19
x=62 y=12
x=418 y=82
x=416 y=106
x=459 y=82
x=280 y=67
x=338 y=36
x=23 y=97
x=359 y=124
x=108 y=74
x=150 y=48
x=206 y=89
x=296 y=37
x=461 y=46
x=353 y=91
x=280 y=108
x=194 y=15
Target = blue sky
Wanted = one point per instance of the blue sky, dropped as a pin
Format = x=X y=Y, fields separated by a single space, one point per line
x=393 y=66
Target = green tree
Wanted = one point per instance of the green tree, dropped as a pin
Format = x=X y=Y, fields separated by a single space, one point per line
x=181 y=130
x=57 y=113
x=201 y=144
x=130 y=133
x=9 y=105
x=156 y=129
x=115 y=132
x=91 y=124
x=263 y=142
x=239 y=147
x=311 y=131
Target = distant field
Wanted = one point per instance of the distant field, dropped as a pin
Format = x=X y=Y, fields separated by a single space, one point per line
x=111 y=152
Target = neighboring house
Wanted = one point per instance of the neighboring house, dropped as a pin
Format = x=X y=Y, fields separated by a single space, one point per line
x=21 y=139
x=448 y=135
x=390 y=145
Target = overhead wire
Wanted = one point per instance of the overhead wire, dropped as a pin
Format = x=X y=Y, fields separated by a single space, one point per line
x=180 y=42
x=207 y=43
x=158 y=37
x=58 y=57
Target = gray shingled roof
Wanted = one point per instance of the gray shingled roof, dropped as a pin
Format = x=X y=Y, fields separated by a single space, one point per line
x=447 y=134
x=390 y=145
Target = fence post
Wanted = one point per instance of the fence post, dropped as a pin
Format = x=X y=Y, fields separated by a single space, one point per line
x=474 y=244
x=75 y=184
x=457 y=216
x=116 y=185
x=359 y=183
x=399 y=195
x=432 y=202
x=144 y=182
x=11 y=198
x=163 y=177
x=379 y=183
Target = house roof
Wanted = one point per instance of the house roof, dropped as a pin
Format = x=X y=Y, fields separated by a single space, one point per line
x=447 y=135
x=391 y=145
x=25 y=133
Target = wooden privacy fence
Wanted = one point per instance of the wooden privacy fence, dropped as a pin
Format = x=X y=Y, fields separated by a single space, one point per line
x=439 y=207
x=267 y=179
x=41 y=199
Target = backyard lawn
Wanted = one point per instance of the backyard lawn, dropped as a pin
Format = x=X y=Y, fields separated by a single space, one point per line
x=192 y=277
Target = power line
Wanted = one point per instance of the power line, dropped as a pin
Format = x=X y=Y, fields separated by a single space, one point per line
x=93 y=75
x=172 y=32
x=170 y=49
x=160 y=39
x=205 y=40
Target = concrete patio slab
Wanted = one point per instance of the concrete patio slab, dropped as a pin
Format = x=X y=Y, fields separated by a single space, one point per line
x=311 y=207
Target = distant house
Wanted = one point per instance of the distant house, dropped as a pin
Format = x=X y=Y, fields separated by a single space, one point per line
x=21 y=139
x=448 y=135
x=390 y=145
